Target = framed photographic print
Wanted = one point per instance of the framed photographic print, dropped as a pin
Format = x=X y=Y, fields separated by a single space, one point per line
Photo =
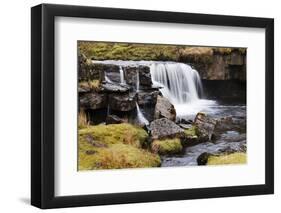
x=140 y=106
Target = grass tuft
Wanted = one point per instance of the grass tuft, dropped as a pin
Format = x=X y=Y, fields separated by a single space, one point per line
x=234 y=158
x=82 y=119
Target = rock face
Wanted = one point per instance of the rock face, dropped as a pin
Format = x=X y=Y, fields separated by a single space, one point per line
x=223 y=66
x=130 y=73
x=122 y=102
x=86 y=69
x=225 y=89
x=110 y=71
x=165 y=128
x=93 y=100
x=114 y=88
x=164 y=109
x=141 y=73
x=205 y=125
x=145 y=76
x=147 y=97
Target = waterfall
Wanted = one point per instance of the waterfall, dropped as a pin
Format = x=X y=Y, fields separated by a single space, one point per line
x=107 y=79
x=138 y=81
x=122 y=80
x=181 y=84
x=140 y=116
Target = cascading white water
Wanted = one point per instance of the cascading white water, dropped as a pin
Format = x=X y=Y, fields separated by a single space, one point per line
x=107 y=79
x=181 y=84
x=138 y=81
x=140 y=116
x=122 y=80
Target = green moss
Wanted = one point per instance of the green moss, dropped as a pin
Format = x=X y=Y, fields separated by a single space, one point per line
x=124 y=51
x=115 y=156
x=116 y=133
x=191 y=132
x=135 y=52
x=234 y=158
x=114 y=146
x=168 y=146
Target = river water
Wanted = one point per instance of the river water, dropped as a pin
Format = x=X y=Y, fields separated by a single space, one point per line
x=230 y=141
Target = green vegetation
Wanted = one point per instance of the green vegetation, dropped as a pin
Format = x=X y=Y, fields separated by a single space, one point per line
x=124 y=51
x=91 y=84
x=168 y=146
x=159 y=52
x=191 y=136
x=192 y=132
x=226 y=51
x=114 y=146
x=234 y=158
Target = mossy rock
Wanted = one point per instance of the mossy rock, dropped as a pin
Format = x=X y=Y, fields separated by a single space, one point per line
x=191 y=136
x=167 y=146
x=234 y=158
x=91 y=85
x=114 y=146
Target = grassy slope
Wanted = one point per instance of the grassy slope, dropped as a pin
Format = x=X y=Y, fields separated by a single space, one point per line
x=114 y=146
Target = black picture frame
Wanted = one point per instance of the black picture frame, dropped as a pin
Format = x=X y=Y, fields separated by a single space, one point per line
x=43 y=105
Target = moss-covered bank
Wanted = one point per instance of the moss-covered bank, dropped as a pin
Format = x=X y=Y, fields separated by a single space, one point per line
x=114 y=146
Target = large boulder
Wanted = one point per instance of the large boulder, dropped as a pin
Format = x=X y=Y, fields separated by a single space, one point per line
x=93 y=100
x=205 y=125
x=164 y=109
x=145 y=76
x=166 y=146
x=130 y=75
x=122 y=102
x=147 y=97
x=165 y=128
